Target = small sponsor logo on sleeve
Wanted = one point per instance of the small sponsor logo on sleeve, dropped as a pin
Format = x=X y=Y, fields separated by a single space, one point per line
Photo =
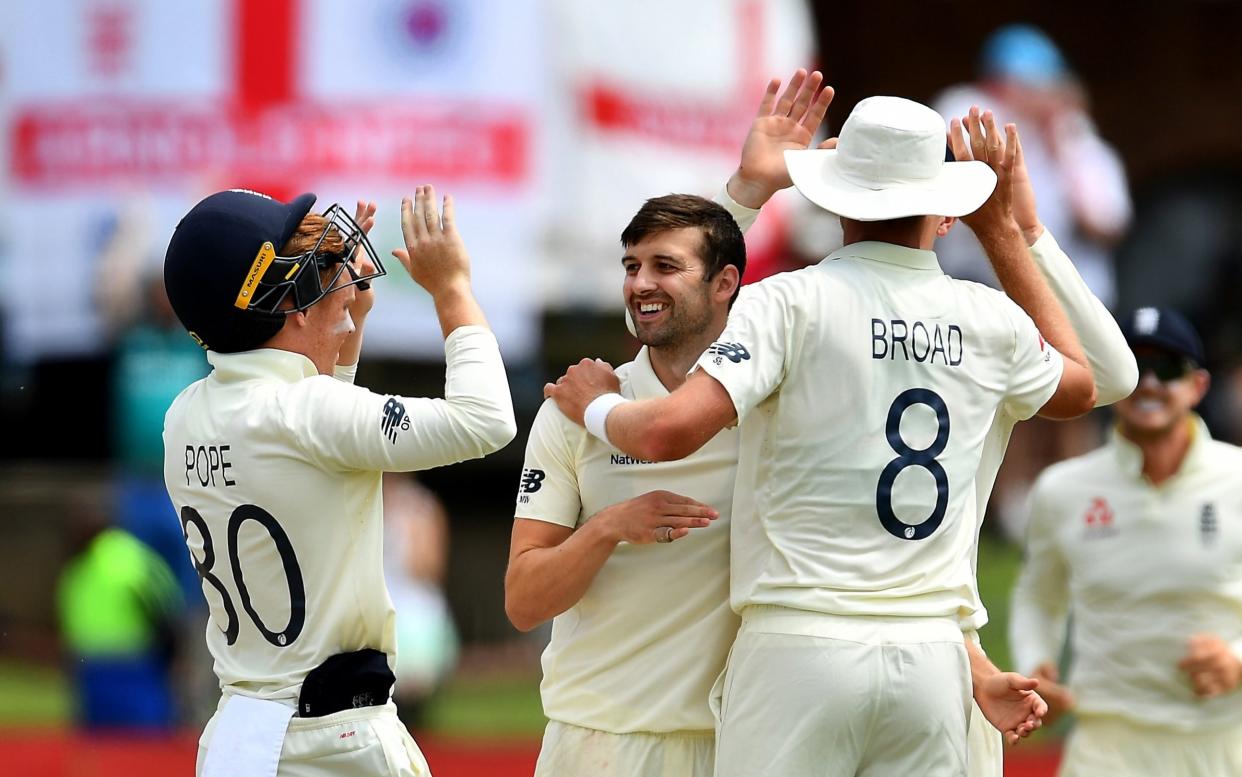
x=394 y=419
x=532 y=480
x=734 y=352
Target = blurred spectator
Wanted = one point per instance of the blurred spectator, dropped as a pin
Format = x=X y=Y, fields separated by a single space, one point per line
x=1079 y=179
x=154 y=360
x=1084 y=200
x=416 y=542
x=118 y=603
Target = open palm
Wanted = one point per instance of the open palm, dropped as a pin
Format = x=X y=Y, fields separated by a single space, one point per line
x=780 y=125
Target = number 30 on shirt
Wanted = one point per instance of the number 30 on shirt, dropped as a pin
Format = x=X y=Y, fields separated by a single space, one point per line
x=288 y=559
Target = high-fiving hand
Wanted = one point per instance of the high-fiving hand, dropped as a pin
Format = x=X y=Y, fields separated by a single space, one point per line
x=789 y=122
x=434 y=255
x=998 y=151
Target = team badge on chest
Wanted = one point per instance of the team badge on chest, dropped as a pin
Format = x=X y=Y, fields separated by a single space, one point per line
x=1099 y=521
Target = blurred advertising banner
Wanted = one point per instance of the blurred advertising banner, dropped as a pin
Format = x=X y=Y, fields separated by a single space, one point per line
x=548 y=120
x=658 y=96
x=123 y=113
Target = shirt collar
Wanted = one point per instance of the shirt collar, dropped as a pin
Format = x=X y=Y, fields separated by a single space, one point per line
x=643 y=379
x=263 y=363
x=888 y=253
x=1130 y=456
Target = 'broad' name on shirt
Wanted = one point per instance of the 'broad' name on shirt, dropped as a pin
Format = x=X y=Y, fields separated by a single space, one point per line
x=932 y=343
x=208 y=464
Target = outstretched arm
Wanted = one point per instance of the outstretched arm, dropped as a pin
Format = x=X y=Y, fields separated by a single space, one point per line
x=780 y=124
x=999 y=234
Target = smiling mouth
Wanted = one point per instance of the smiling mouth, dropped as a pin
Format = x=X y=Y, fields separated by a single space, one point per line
x=645 y=311
x=1149 y=405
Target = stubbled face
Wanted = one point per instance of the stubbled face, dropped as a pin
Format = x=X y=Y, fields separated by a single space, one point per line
x=665 y=290
x=1158 y=405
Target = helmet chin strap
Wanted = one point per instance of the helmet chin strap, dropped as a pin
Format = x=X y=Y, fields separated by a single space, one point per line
x=629 y=322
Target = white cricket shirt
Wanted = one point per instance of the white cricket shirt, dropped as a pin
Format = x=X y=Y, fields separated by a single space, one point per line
x=275 y=471
x=1141 y=568
x=866 y=387
x=643 y=646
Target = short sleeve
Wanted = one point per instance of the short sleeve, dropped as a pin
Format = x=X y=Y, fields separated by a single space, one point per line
x=1035 y=371
x=749 y=357
x=548 y=489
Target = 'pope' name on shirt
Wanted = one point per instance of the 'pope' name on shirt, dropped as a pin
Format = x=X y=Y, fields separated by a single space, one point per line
x=924 y=343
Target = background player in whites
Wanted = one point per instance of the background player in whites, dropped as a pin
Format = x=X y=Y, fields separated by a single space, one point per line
x=275 y=466
x=1105 y=347
x=835 y=603
x=1141 y=540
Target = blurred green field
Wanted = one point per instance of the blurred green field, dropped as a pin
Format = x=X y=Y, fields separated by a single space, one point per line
x=490 y=706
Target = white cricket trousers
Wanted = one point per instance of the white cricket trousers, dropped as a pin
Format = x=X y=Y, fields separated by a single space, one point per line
x=574 y=751
x=1118 y=748
x=366 y=742
x=813 y=695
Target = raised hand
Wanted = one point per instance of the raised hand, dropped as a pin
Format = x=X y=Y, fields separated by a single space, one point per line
x=364 y=294
x=999 y=152
x=656 y=516
x=434 y=255
x=781 y=124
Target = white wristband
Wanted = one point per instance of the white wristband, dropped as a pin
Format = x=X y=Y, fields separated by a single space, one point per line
x=595 y=418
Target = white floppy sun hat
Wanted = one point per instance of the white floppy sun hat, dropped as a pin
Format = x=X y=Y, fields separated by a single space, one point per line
x=888 y=164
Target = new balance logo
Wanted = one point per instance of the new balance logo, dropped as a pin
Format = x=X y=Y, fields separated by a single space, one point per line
x=394 y=419
x=734 y=352
x=532 y=480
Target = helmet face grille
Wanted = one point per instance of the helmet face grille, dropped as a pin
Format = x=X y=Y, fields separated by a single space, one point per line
x=305 y=279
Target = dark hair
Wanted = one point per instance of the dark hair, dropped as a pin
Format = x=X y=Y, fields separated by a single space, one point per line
x=722 y=242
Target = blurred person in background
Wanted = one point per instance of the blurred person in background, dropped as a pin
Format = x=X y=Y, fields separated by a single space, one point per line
x=1139 y=543
x=416 y=546
x=153 y=360
x=1084 y=200
x=119 y=608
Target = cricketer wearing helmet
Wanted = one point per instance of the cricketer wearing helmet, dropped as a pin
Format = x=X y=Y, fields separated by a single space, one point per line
x=274 y=462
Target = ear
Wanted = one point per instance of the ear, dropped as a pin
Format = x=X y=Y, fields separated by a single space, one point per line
x=1202 y=381
x=727 y=281
x=945 y=225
